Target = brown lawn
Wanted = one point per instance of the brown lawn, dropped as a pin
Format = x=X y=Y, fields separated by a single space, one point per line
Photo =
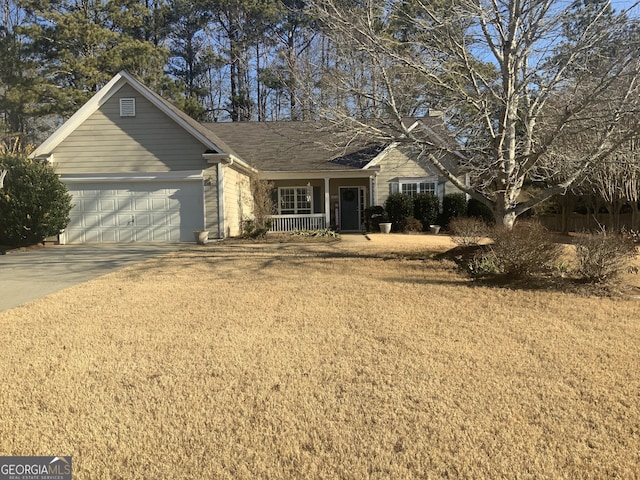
x=351 y=360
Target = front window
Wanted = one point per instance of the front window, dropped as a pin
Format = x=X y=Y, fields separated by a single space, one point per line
x=294 y=200
x=414 y=186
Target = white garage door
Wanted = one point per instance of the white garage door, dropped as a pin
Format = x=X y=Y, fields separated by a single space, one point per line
x=135 y=211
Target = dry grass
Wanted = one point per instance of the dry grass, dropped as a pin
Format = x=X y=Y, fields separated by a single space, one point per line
x=320 y=361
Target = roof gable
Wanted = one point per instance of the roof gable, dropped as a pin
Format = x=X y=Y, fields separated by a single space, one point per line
x=204 y=136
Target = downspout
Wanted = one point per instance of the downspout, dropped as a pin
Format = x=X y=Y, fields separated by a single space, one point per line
x=204 y=204
x=327 y=203
x=220 y=200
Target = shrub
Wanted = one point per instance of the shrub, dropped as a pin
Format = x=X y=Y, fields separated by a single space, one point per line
x=321 y=233
x=477 y=209
x=250 y=228
x=483 y=264
x=413 y=225
x=453 y=205
x=603 y=257
x=34 y=202
x=263 y=206
x=372 y=217
x=467 y=231
x=525 y=250
x=426 y=207
x=399 y=207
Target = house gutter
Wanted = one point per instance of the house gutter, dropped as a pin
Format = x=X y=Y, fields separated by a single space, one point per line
x=318 y=174
x=229 y=159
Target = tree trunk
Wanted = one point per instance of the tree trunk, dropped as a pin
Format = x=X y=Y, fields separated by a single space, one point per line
x=505 y=216
x=635 y=216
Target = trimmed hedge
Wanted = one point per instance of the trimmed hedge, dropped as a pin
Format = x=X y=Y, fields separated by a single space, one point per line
x=399 y=207
x=426 y=208
x=453 y=205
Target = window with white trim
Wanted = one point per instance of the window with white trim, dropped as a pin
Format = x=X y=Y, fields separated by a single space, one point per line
x=295 y=200
x=414 y=186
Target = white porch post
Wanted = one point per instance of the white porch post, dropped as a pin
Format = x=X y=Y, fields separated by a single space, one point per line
x=327 y=203
x=371 y=191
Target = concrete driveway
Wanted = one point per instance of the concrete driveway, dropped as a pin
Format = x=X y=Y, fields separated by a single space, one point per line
x=32 y=274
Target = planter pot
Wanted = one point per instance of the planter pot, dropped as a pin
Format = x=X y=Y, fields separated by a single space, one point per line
x=385 y=227
x=434 y=229
x=201 y=236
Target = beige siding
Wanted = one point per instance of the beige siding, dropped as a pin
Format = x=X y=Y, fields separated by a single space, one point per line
x=397 y=164
x=148 y=142
x=211 y=202
x=238 y=204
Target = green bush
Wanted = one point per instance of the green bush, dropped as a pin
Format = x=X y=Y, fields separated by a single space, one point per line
x=477 y=209
x=453 y=205
x=603 y=257
x=34 y=202
x=372 y=218
x=525 y=250
x=426 y=208
x=399 y=207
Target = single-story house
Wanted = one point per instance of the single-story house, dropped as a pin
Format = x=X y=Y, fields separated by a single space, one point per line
x=141 y=170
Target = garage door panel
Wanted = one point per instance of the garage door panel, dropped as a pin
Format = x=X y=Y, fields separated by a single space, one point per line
x=123 y=204
x=126 y=220
x=136 y=211
x=109 y=236
x=107 y=204
x=143 y=220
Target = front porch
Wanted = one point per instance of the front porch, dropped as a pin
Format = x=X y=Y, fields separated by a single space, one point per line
x=319 y=200
x=291 y=223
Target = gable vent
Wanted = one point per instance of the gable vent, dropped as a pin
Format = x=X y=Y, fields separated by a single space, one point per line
x=127 y=107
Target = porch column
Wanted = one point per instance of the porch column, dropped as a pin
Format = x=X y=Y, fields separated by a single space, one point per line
x=371 y=192
x=327 y=204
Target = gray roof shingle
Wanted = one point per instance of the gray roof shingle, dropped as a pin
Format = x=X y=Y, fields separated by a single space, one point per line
x=291 y=146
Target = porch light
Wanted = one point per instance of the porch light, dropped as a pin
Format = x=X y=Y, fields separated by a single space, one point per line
x=308 y=192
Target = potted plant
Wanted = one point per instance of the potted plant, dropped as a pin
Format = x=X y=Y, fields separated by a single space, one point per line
x=385 y=224
x=201 y=236
x=434 y=229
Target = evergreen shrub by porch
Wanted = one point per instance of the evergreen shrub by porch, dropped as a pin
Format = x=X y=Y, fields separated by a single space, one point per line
x=477 y=209
x=426 y=208
x=34 y=203
x=399 y=207
x=373 y=216
x=454 y=205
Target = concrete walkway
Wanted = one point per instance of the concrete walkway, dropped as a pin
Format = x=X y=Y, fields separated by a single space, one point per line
x=32 y=274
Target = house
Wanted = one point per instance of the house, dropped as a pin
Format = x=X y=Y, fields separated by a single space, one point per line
x=141 y=170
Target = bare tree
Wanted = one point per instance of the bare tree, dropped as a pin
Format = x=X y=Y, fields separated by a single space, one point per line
x=514 y=78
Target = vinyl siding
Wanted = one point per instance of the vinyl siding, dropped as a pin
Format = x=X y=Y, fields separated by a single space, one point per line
x=397 y=164
x=148 y=142
x=238 y=204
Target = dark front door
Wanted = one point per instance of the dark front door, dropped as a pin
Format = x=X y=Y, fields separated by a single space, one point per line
x=349 y=209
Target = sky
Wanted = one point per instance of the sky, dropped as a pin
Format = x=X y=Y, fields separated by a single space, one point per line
x=619 y=5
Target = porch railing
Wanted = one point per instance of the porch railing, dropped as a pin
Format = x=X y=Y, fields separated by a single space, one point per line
x=289 y=223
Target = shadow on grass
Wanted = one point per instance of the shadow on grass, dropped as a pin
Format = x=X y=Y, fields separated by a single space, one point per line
x=258 y=257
